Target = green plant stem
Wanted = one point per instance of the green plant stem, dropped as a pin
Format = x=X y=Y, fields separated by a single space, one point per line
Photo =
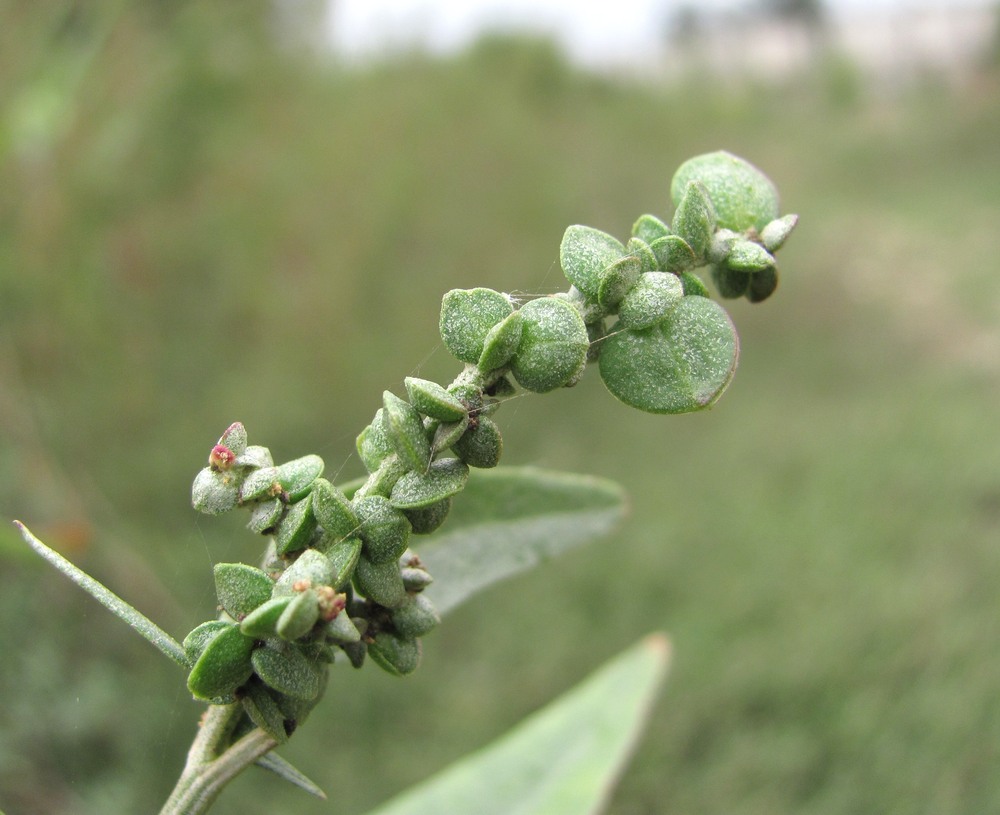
x=207 y=771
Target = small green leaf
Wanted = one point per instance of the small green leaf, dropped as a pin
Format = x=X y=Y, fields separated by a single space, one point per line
x=584 y=254
x=762 y=285
x=553 y=345
x=673 y=254
x=510 y=519
x=467 y=315
x=649 y=228
x=649 y=301
x=288 y=671
x=332 y=509
x=748 y=256
x=501 y=343
x=311 y=567
x=296 y=477
x=342 y=630
x=343 y=556
x=195 y=642
x=263 y=710
x=563 y=760
x=397 y=655
x=774 y=235
x=406 y=431
x=616 y=280
x=384 y=529
x=693 y=285
x=640 y=249
x=694 y=219
x=680 y=365
x=254 y=457
x=295 y=529
x=445 y=477
x=145 y=627
x=235 y=438
x=380 y=582
x=260 y=484
x=299 y=616
x=262 y=622
x=223 y=666
x=428 y=519
x=416 y=617
x=445 y=435
x=374 y=443
x=215 y=491
x=432 y=399
x=742 y=196
x=730 y=282
x=281 y=768
x=265 y=515
x=241 y=588
x=481 y=446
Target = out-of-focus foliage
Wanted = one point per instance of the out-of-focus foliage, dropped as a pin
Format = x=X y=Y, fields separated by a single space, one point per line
x=201 y=221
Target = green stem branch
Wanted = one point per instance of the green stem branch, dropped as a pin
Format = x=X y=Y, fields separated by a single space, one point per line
x=207 y=771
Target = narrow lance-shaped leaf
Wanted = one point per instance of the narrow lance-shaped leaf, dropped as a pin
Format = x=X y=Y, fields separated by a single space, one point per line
x=563 y=760
x=509 y=520
x=107 y=598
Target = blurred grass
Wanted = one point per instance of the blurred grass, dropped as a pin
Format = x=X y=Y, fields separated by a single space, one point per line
x=198 y=225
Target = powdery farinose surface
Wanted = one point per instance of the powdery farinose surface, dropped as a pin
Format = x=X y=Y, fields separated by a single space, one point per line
x=681 y=365
x=743 y=197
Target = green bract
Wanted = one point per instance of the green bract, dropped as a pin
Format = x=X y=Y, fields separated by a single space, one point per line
x=500 y=343
x=241 y=588
x=223 y=666
x=380 y=582
x=431 y=399
x=648 y=228
x=374 y=443
x=396 y=654
x=742 y=196
x=467 y=315
x=215 y=492
x=481 y=446
x=296 y=477
x=679 y=365
x=553 y=347
x=288 y=671
x=444 y=478
x=406 y=431
x=384 y=529
x=311 y=568
x=584 y=254
x=332 y=509
x=296 y=528
x=343 y=556
x=694 y=220
x=648 y=302
x=673 y=254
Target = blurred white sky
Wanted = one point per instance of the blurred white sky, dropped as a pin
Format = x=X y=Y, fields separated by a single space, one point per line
x=592 y=31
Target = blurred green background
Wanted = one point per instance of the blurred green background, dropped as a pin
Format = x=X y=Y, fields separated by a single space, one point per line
x=201 y=221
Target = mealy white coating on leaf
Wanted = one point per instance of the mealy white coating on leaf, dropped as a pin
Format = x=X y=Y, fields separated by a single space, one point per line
x=774 y=235
x=235 y=438
x=444 y=478
x=553 y=345
x=649 y=301
x=747 y=256
x=585 y=253
x=467 y=315
x=743 y=197
x=695 y=219
x=681 y=365
x=214 y=492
